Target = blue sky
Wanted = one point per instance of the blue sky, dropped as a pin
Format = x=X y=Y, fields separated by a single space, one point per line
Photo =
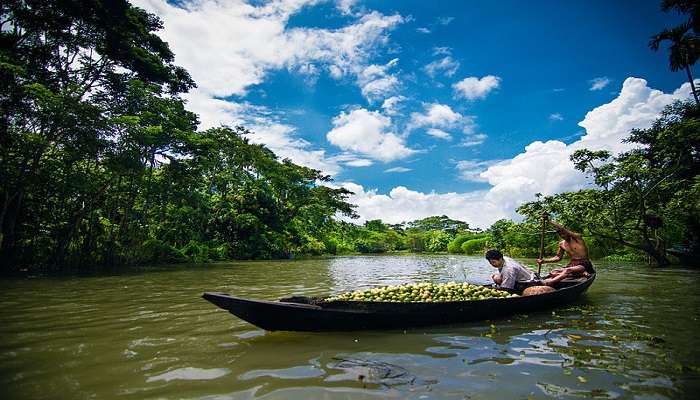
x=422 y=108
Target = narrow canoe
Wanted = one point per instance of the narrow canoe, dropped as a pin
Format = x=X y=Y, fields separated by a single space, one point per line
x=299 y=315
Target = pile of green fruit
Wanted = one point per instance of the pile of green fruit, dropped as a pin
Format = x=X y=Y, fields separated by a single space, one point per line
x=424 y=292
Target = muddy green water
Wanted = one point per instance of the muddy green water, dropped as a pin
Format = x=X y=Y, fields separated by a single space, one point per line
x=149 y=335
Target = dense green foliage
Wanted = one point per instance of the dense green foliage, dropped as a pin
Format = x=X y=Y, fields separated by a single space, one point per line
x=100 y=162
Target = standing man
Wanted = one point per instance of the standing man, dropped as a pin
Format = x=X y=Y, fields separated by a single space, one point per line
x=573 y=245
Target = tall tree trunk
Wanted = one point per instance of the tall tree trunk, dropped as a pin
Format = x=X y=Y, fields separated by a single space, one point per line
x=692 y=84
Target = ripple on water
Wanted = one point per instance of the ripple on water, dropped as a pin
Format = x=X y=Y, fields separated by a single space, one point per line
x=300 y=372
x=190 y=374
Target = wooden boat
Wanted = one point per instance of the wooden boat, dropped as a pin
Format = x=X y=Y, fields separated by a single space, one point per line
x=303 y=314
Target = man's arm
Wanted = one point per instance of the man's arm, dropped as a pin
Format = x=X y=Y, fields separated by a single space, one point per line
x=563 y=231
x=557 y=258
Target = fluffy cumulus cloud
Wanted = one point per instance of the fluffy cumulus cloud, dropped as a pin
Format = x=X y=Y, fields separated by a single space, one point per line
x=473 y=88
x=229 y=46
x=436 y=115
x=376 y=82
x=368 y=133
x=437 y=118
x=391 y=105
x=470 y=170
x=543 y=167
x=599 y=83
x=402 y=204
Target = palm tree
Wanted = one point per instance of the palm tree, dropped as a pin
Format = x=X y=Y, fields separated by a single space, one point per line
x=691 y=7
x=684 y=50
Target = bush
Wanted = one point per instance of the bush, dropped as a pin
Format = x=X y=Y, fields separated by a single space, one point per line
x=220 y=253
x=196 y=252
x=626 y=257
x=373 y=243
x=475 y=246
x=455 y=246
x=310 y=245
x=156 y=251
x=436 y=241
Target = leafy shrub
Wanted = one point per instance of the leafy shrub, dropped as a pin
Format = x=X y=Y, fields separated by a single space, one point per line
x=156 y=251
x=196 y=252
x=474 y=246
x=220 y=253
x=455 y=246
x=436 y=241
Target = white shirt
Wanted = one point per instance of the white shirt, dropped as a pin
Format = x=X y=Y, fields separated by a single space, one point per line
x=512 y=272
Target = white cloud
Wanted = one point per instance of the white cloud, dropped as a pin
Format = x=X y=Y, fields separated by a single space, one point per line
x=442 y=51
x=541 y=168
x=391 y=105
x=445 y=20
x=556 y=117
x=545 y=167
x=473 y=139
x=345 y=6
x=438 y=133
x=398 y=169
x=376 y=82
x=436 y=115
x=446 y=65
x=229 y=46
x=470 y=170
x=473 y=88
x=351 y=160
x=403 y=204
x=423 y=30
x=599 y=83
x=368 y=133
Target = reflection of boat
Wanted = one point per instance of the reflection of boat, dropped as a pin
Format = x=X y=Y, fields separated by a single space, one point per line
x=304 y=314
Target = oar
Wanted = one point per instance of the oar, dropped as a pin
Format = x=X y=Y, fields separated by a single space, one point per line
x=539 y=265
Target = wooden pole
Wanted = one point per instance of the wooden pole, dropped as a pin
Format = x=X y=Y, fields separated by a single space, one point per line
x=539 y=265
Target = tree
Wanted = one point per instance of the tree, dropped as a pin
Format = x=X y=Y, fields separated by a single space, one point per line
x=101 y=163
x=648 y=197
x=441 y=222
x=65 y=66
x=683 y=51
x=691 y=7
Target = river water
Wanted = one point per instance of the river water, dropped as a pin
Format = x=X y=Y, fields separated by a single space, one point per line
x=148 y=335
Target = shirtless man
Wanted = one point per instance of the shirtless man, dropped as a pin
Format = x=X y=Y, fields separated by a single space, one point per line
x=574 y=246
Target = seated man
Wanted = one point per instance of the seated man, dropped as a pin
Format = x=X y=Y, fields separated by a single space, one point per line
x=511 y=275
x=573 y=245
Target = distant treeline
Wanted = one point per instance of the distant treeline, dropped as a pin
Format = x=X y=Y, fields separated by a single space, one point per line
x=101 y=164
